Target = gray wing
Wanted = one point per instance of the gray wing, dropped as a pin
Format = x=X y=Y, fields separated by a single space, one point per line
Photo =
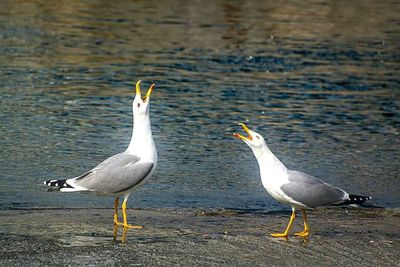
x=311 y=191
x=116 y=174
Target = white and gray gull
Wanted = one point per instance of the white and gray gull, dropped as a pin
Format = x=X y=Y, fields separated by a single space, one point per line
x=294 y=188
x=120 y=174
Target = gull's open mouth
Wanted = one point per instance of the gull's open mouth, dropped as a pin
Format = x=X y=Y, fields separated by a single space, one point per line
x=248 y=137
x=148 y=91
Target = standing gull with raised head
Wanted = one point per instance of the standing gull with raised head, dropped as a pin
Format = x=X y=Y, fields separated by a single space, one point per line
x=297 y=189
x=120 y=174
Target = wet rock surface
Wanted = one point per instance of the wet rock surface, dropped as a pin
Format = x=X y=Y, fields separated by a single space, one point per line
x=190 y=237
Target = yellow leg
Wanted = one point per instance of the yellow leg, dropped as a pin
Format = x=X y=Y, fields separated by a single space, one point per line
x=115 y=232
x=124 y=232
x=305 y=232
x=285 y=234
x=116 y=211
x=125 y=224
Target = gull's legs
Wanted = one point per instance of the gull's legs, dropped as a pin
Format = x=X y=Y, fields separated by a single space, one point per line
x=285 y=234
x=124 y=232
x=125 y=224
x=305 y=232
x=116 y=211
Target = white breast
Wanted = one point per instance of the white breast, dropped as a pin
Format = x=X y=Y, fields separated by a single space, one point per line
x=272 y=180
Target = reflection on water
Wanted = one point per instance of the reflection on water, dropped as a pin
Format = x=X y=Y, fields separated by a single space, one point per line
x=319 y=79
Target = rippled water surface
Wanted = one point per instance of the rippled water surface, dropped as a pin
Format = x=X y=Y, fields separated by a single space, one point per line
x=319 y=79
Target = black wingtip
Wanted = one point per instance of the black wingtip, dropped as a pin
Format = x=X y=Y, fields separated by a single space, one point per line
x=58 y=183
x=355 y=199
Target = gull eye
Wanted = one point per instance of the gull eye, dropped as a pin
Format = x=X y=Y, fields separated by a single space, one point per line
x=258 y=137
x=138 y=105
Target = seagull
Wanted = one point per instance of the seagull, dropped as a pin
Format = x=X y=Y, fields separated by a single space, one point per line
x=120 y=174
x=295 y=188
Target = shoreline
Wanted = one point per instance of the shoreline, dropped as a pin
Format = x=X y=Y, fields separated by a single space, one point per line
x=196 y=237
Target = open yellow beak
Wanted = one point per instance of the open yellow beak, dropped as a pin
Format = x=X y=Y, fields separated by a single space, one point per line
x=151 y=88
x=248 y=137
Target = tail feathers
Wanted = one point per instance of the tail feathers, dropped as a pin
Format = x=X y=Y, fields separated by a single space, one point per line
x=57 y=184
x=355 y=199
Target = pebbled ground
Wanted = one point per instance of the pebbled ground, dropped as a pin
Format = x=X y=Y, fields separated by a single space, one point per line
x=84 y=237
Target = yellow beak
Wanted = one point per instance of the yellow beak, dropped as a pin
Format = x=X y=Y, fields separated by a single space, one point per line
x=149 y=91
x=248 y=137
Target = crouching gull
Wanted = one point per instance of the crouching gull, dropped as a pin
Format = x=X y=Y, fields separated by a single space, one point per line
x=120 y=174
x=294 y=188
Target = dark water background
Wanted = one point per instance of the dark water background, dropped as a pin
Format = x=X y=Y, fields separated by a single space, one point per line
x=319 y=79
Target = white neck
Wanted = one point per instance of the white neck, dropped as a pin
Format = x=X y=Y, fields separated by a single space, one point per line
x=270 y=166
x=142 y=143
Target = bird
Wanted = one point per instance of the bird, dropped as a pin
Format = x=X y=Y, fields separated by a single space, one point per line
x=295 y=188
x=122 y=173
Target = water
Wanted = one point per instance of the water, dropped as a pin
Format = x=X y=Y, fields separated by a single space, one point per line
x=320 y=80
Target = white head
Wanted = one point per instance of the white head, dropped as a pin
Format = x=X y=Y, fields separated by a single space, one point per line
x=270 y=165
x=254 y=140
x=142 y=143
x=140 y=106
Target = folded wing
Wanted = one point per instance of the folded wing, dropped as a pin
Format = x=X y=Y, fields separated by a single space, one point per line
x=114 y=175
x=311 y=191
